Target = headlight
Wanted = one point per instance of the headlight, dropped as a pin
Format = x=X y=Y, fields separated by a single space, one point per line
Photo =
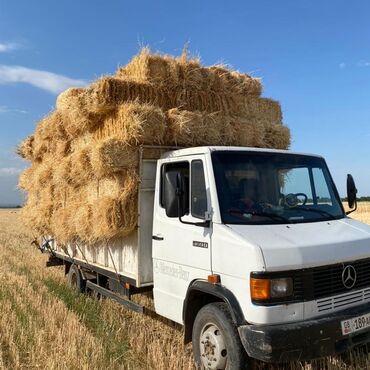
x=263 y=289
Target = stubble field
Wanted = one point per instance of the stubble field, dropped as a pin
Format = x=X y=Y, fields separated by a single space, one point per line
x=46 y=325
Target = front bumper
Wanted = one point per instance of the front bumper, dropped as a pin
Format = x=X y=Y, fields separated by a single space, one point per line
x=303 y=340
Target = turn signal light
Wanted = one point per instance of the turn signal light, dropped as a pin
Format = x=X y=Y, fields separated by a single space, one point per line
x=214 y=279
x=260 y=289
x=263 y=289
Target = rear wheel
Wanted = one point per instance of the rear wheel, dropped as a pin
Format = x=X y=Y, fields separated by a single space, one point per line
x=216 y=343
x=75 y=279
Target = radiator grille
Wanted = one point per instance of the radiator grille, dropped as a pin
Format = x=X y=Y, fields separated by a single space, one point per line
x=327 y=281
x=343 y=300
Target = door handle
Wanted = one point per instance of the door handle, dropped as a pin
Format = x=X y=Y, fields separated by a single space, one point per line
x=156 y=237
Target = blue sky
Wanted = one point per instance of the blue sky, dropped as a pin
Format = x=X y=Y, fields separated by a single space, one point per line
x=313 y=57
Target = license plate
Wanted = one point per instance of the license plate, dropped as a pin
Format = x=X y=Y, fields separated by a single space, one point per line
x=355 y=324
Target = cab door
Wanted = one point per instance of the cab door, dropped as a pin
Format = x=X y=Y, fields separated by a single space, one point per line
x=181 y=251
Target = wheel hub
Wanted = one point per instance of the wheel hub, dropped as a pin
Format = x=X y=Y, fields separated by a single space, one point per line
x=213 y=351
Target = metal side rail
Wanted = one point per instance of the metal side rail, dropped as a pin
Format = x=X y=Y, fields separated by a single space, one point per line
x=107 y=293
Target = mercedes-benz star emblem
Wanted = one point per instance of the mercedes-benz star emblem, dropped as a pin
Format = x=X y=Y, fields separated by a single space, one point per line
x=349 y=276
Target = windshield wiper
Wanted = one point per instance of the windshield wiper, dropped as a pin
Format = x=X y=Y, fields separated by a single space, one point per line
x=320 y=211
x=273 y=216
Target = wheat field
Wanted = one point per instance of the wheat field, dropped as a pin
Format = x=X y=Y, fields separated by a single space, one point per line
x=46 y=325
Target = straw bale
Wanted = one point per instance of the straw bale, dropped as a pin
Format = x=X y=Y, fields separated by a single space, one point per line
x=112 y=156
x=107 y=93
x=62 y=148
x=196 y=128
x=147 y=67
x=113 y=216
x=43 y=174
x=107 y=218
x=83 y=221
x=81 y=171
x=25 y=148
x=38 y=211
x=72 y=106
x=277 y=136
x=260 y=108
x=27 y=178
x=224 y=79
x=62 y=224
x=40 y=149
x=168 y=72
x=134 y=124
x=247 y=133
x=49 y=134
x=62 y=172
x=104 y=95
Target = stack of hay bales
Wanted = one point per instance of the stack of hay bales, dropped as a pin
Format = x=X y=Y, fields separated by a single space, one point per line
x=83 y=181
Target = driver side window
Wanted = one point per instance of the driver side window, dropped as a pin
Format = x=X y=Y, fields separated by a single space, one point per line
x=296 y=180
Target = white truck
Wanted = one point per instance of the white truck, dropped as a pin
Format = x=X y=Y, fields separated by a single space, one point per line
x=249 y=249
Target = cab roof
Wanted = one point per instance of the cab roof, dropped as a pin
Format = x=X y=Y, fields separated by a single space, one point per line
x=210 y=149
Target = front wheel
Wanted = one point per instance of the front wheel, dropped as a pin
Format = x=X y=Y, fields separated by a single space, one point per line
x=216 y=343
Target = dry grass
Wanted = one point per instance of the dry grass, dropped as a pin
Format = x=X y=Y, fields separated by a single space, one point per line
x=363 y=212
x=46 y=325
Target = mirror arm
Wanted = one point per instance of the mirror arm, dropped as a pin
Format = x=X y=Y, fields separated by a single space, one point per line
x=206 y=223
x=352 y=210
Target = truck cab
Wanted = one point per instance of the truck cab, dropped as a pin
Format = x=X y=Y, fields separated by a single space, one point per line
x=253 y=252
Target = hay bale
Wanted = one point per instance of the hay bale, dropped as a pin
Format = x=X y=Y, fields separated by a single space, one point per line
x=62 y=148
x=111 y=156
x=276 y=136
x=38 y=211
x=195 y=128
x=25 y=148
x=264 y=109
x=104 y=95
x=62 y=172
x=221 y=78
x=72 y=105
x=117 y=216
x=187 y=128
x=43 y=174
x=83 y=222
x=150 y=68
x=168 y=72
x=81 y=171
x=134 y=124
x=26 y=179
x=62 y=224
x=107 y=218
x=247 y=133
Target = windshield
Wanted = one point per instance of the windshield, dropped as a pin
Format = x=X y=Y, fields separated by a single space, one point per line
x=267 y=188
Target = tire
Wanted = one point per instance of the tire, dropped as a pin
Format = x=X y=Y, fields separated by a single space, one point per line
x=75 y=279
x=216 y=342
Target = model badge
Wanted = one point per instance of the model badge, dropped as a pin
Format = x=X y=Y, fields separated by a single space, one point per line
x=349 y=276
x=200 y=244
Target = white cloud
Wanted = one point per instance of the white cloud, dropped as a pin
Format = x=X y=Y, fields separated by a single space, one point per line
x=4 y=109
x=45 y=80
x=8 y=46
x=10 y=171
x=342 y=65
x=363 y=63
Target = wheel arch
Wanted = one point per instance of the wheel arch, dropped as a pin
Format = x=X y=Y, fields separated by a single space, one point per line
x=200 y=293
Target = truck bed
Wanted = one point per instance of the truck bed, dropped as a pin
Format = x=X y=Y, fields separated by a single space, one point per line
x=131 y=256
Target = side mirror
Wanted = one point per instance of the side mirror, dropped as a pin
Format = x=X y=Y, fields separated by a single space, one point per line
x=351 y=193
x=176 y=197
